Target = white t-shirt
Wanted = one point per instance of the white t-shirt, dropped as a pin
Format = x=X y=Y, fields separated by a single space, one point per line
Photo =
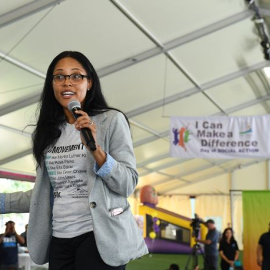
x=66 y=164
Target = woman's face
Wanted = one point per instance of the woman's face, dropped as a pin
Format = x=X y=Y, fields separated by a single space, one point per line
x=67 y=90
x=228 y=234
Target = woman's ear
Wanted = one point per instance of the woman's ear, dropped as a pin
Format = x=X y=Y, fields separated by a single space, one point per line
x=89 y=85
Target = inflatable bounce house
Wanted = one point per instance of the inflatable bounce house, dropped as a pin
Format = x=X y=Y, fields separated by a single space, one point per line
x=165 y=231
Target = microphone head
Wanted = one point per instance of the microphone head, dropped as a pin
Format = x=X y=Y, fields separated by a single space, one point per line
x=73 y=104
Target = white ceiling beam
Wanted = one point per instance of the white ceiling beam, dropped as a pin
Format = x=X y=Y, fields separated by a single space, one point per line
x=187 y=173
x=257 y=88
x=26 y=10
x=16 y=156
x=150 y=139
x=21 y=65
x=157 y=169
x=247 y=104
x=208 y=177
x=145 y=128
x=14 y=130
x=195 y=90
x=150 y=36
x=171 y=44
x=18 y=104
x=154 y=159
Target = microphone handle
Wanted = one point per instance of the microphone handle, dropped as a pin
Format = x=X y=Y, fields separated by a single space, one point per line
x=87 y=134
x=89 y=139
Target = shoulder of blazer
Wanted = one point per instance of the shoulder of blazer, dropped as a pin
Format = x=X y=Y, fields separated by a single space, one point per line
x=106 y=116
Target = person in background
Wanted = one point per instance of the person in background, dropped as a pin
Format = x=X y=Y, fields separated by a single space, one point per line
x=174 y=266
x=24 y=235
x=228 y=250
x=80 y=217
x=9 y=247
x=210 y=246
x=263 y=250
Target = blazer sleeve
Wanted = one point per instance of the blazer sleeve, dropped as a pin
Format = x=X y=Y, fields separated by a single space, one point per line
x=122 y=177
x=17 y=202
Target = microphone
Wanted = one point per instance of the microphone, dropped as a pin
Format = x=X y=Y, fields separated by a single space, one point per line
x=73 y=106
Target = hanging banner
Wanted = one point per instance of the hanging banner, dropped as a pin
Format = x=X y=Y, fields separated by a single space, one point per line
x=220 y=137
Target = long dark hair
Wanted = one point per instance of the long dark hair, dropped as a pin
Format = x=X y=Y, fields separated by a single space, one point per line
x=224 y=239
x=50 y=113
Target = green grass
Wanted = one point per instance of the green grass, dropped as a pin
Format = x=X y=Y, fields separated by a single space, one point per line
x=163 y=261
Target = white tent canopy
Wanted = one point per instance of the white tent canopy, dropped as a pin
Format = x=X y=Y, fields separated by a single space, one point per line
x=156 y=59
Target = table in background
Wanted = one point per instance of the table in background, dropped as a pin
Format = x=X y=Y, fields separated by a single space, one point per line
x=26 y=263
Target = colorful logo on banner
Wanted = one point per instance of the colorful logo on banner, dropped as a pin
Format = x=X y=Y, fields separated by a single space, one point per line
x=247 y=131
x=181 y=137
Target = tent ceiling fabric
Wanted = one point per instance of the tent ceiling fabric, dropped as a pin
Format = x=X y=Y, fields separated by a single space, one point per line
x=156 y=59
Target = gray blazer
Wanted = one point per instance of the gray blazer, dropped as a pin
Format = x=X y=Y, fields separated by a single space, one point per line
x=118 y=237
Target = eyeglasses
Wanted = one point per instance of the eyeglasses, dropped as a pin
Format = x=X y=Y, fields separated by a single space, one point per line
x=75 y=79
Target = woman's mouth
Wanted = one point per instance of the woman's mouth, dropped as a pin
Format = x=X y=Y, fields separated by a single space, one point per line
x=68 y=94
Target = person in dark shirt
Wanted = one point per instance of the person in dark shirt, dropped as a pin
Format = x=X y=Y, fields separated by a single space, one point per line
x=210 y=246
x=24 y=235
x=263 y=251
x=228 y=249
x=9 y=248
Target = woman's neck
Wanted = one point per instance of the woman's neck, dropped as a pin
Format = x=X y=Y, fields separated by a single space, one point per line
x=228 y=240
x=69 y=116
